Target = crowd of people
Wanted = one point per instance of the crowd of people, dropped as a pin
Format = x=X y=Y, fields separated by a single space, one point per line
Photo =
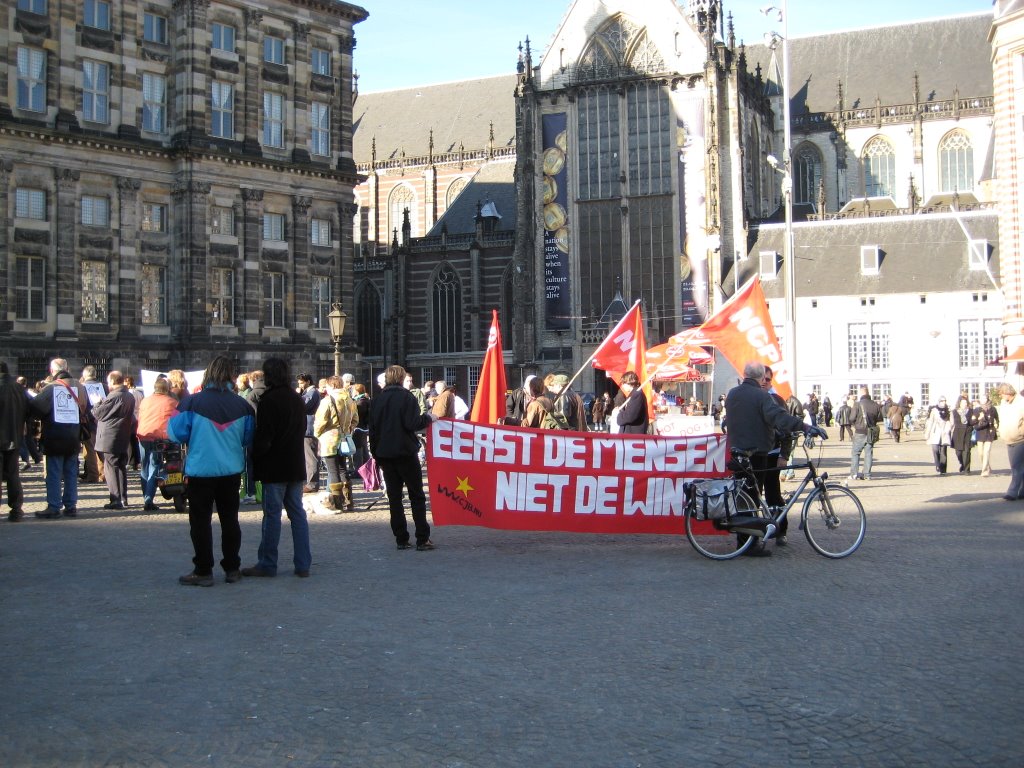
x=266 y=432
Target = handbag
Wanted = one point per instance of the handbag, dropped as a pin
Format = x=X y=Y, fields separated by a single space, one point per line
x=346 y=446
x=371 y=478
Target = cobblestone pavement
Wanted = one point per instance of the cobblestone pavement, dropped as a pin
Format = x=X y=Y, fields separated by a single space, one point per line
x=524 y=649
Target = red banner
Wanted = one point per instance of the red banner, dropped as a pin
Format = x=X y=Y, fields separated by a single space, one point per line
x=521 y=479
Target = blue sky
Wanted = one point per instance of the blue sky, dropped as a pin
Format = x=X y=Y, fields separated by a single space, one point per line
x=414 y=42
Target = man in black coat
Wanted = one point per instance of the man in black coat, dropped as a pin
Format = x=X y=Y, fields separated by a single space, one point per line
x=279 y=463
x=395 y=419
x=115 y=430
x=13 y=407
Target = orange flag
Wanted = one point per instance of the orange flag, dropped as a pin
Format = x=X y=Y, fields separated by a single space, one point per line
x=742 y=330
x=489 y=402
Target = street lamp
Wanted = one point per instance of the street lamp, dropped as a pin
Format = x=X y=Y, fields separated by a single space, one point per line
x=786 y=169
x=337 y=318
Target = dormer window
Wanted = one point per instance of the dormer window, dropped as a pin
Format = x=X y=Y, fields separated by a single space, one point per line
x=869 y=259
x=977 y=254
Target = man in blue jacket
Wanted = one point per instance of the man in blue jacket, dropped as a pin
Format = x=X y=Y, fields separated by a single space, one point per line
x=217 y=426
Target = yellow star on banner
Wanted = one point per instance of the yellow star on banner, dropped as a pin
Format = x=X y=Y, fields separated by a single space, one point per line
x=463 y=487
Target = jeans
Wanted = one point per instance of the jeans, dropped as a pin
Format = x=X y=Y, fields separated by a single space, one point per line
x=1016 y=455
x=62 y=470
x=203 y=493
x=147 y=469
x=10 y=474
x=287 y=496
x=405 y=470
x=860 y=443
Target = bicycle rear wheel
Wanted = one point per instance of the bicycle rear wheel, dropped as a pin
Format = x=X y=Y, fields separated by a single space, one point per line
x=719 y=544
x=833 y=520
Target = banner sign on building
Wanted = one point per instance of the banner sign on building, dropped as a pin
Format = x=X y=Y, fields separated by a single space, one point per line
x=521 y=479
x=557 y=296
x=692 y=205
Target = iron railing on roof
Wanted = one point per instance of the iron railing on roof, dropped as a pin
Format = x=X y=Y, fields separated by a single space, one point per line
x=897 y=113
x=445 y=158
x=867 y=213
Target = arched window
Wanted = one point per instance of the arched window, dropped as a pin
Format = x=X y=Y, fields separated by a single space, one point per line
x=402 y=197
x=446 y=306
x=879 y=164
x=369 y=320
x=806 y=174
x=956 y=162
x=454 y=190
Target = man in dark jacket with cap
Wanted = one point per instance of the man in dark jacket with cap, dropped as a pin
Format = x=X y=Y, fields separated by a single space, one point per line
x=395 y=419
x=63 y=408
x=13 y=406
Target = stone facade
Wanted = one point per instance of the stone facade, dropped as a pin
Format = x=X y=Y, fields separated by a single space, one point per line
x=176 y=181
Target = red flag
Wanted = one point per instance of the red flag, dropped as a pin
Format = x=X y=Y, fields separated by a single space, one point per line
x=625 y=348
x=489 y=402
x=742 y=330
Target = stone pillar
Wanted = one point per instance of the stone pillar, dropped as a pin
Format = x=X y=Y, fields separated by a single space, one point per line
x=188 y=73
x=250 y=303
x=126 y=270
x=299 y=282
x=61 y=290
x=7 y=297
x=187 y=276
x=252 y=54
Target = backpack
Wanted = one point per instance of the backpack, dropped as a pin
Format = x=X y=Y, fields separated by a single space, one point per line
x=554 y=420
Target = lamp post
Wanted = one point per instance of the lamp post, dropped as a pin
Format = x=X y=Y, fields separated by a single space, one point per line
x=786 y=170
x=337 y=318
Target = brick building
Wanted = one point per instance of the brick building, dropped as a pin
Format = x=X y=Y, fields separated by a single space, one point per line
x=176 y=180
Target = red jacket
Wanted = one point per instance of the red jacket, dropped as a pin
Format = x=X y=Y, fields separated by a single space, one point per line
x=154 y=413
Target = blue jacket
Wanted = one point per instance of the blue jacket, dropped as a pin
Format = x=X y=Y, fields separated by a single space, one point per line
x=217 y=425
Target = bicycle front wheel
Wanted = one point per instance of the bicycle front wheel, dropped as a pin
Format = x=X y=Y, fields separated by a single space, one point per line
x=720 y=544
x=833 y=520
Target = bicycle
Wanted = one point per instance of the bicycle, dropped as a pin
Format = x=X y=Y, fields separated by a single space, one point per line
x=832 y=517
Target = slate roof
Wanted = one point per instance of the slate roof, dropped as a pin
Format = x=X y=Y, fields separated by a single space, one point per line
x=458 y=112
x=946 y=53
x=495 y=183
x=925 y=253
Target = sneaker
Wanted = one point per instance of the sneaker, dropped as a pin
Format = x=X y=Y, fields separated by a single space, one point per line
x=50 y=513
x=401 y=544
x=70 y=512
x=149 y=506
x=26 y=467
x=425 y=546
x=781 y=541
x=248 y=499
x=196 y=580
x=257 y=572
x=115 y=505
x=302 y=574
x=16 y=515
x=232 y=576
